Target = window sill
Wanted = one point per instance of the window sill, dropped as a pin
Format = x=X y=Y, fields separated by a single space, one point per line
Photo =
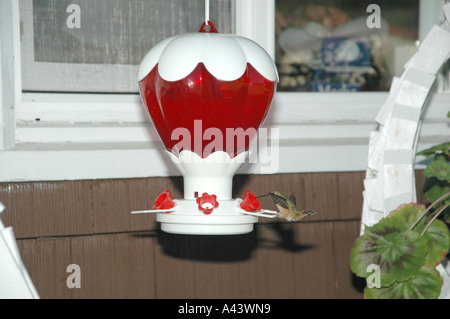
x=317 y=133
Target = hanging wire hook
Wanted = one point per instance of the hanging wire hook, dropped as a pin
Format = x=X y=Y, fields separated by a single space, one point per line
x=206 y=12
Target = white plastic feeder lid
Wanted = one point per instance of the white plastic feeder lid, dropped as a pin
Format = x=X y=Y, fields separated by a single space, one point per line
x=225 y=56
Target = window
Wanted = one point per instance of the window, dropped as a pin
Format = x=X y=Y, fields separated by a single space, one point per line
x=67 y=115
x=344 y=45
x=96 y=46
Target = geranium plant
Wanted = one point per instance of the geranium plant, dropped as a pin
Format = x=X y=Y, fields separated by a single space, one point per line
x=437 y=175
x=406 y=246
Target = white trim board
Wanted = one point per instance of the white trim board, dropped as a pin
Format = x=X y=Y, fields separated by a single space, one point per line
x=315 y=135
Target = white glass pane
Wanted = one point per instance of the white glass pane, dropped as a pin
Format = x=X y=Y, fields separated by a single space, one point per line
x=344 y=45
x=102 y=52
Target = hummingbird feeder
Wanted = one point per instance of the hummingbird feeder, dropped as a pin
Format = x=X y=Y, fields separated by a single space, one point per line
x=200 y=91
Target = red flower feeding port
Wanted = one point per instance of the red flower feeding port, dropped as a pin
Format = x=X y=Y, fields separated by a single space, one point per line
x=207 y=203
x=201 y=91
x=164 y=201
x=250 y=203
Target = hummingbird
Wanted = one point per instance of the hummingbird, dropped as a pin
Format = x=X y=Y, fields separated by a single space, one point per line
x=287 y=207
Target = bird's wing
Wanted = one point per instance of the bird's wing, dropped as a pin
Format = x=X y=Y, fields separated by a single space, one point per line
x=279 y=200
x=292 y=198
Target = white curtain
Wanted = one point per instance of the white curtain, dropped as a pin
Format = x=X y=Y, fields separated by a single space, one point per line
x=102 y=54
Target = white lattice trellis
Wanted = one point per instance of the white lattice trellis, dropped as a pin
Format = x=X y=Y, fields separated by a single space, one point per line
x=390 y=179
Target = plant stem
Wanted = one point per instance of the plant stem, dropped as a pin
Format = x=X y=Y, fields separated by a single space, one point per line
x=428 y=209
x=434 y=217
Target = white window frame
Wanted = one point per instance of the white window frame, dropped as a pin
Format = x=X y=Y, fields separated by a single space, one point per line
x=93 y=136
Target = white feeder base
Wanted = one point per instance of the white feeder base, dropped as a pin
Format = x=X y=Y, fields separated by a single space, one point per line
x=226 y=219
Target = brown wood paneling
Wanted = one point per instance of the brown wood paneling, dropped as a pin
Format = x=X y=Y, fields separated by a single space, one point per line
x=111 y=266
x=278 y=260
x=113 y=201
x=47 y=208
x=333 y=195
x=46 y=260
x=346 y=284
x=115 y=265
x=420 y=178
x=125 y=256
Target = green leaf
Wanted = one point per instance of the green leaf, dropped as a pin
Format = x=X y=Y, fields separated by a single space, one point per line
x=440 y=157
x=434 y=189
x=438 y=239
x=399 y=254
x=369 y=247
x=439 y=169
x=444 y=147
x=406 y=214
x=424 y=284
x=446 y=215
